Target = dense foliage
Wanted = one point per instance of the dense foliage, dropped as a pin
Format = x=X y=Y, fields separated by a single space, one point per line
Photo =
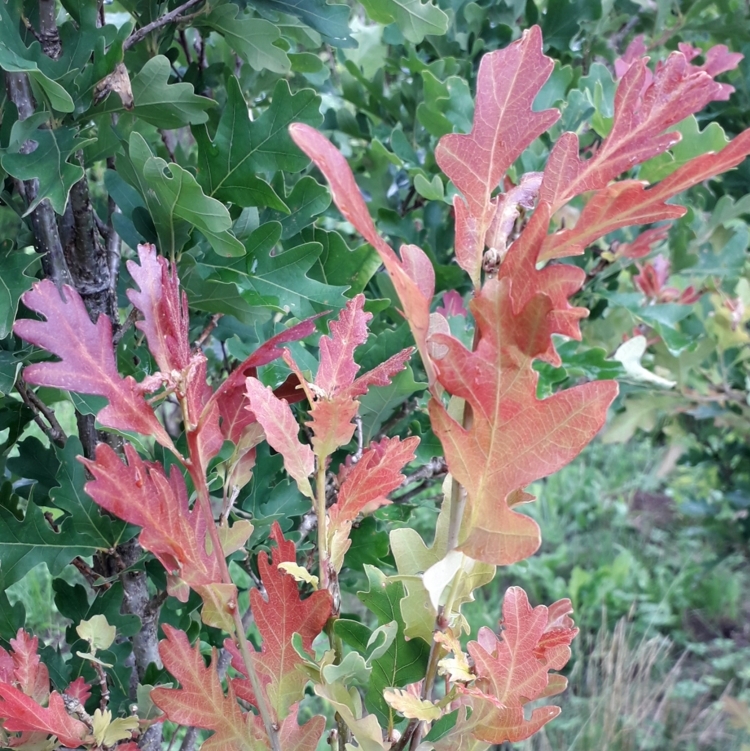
x=255 y=404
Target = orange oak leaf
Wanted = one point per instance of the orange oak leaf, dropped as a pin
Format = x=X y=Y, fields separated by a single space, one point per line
x=142 y=493
x=87 y=361
x=512 y=438
x=337 y=369
x=278 y=616
x=514 y=669
x=26 y=704
x=281 y=429
x=201 y=702
x=231 y=396
x=412 y=274
x=364 y=487
x=646 y=105
x=630 y=202
x=332 y=395
x=504 y=125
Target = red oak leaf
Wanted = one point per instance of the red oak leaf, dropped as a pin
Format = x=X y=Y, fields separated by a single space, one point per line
x=337 y=368
x=630 y=202
x=142 y=493
x=646 y=105
x=364 y=486
x=512 y=438
x=504 y=125
x=413 y=275
x=332 y=396
x=644 y=243
x=201 y=702
x=513 y=669
x=87 y=361
x=278 y=618
x=20 y=713
x=368 y=482
x=78 y=689
x=281 y=429
x=24 y=692
x=165 y=311
x=30 y=675
x=231 y=396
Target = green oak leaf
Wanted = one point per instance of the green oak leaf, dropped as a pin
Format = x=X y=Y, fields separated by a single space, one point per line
x=339 y=264
x=307 y=199
x=227 y=169
x=48 y=163
x=251 y=38
x=14 y=281
x=447 y=105
x=73 y=602
x=378 y=403
x=177 y=203
x=92 y=527
x=12 y=617
x=228 y=165
x=331 y=21
x=415 y=18
x=27 y=542
x=404 y=661
x=163 y=104
x=281 y=281
x=16 y=58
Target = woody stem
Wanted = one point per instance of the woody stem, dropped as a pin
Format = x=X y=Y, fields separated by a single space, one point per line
x=320 y=512
x=204 y=503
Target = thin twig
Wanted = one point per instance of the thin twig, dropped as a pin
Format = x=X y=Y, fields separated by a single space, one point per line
x=132 y=317
x=210 y=326
x=174 y=16
x=39 y=409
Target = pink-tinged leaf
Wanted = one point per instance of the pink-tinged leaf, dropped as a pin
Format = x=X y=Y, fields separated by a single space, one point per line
x=78 y=689
x=231 y=396
x=364 y=487
x=644 y=243
x=87 y=361
x=412 y=275
x=367 y=483
x=165 y=311
x=30 y=675
x=513 y=438
x=20 y=713
x=630 y=202
x=513 y=669
x=337 y=368
x=452 y=306
x=504 y=125
x=646 y=105
x=294 y=737
x=382 y=374
x=278 y=617
x=636 y=49
x=281 y=429
x=556 y=281
x=521 y=196
x=201 y=702
x=141 y=493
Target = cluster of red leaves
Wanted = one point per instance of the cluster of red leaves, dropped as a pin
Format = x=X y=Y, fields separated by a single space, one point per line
x=652 y=281
x=508 y=438
x=201 y=702
x=501 y=438
x=26 y=705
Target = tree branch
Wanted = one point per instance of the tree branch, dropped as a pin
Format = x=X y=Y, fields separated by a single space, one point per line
x=174 y=16
x=40 y=410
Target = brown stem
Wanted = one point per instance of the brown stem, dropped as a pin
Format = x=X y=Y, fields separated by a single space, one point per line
x=174 y=16
x=40 y=410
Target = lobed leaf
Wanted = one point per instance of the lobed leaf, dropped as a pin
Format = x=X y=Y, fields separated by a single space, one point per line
x=278 y=616
x=504 y=125
x=87 y=361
